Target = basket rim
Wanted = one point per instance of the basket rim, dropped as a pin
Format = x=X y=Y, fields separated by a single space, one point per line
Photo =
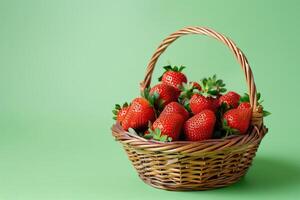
x=235 y=142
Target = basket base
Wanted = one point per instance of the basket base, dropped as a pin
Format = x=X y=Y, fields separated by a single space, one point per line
x=200 y=187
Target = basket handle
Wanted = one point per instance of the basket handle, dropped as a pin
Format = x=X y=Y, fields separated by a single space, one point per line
x=209 y=32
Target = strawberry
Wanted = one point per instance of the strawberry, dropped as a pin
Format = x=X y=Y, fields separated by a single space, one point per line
x=173 y=76
x=139 y=114
x=200 y=126
x=166 y=93
x=245 y=98
x=175 y=107
x=169 y=125
x=199 y=103
x=244 y=105
x=237 y=120
x=231 y=99
x=120 y=112
x=211 y=89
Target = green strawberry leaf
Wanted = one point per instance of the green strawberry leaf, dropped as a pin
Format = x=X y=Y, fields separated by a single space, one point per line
x=167 y=67
x=244 y=98
x=225 y=123
x=181 y=68
x=212 y=87
x=163 y=138
x=156 y=135
x=160 y=78
x=148 y=136
x=266 y=113
x=187 y=91
x=115 y=112
x=222 y=90
x=258 y=96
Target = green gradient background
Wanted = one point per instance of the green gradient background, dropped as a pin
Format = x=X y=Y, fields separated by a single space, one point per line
x=63 y=64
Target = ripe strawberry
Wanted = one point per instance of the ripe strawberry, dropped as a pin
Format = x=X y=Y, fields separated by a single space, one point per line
x=245 y=98
x=244 y=105
x=166 y=93
x=177 y=108
x=231 y=99
x=120 y=112
x=199 y=103
x=211 y=89
x=173 y=76
x=237 y=120
x=139 y=114
x=200 y=127
x=169 y=125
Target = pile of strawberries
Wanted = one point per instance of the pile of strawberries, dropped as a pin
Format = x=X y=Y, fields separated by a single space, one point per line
x=177 y=110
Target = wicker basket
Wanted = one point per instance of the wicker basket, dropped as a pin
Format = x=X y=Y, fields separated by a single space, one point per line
x=185 y=165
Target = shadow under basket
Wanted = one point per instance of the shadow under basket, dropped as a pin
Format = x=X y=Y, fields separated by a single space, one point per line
x=201 y=165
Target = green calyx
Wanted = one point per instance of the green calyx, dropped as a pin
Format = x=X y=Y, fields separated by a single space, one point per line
x=228 y=130
x=187 y=90
x=152 y=98
x=246 y=98
x=117 y=109
x=212 y=87
x=157 y=135
x=170 y=68
x=174 y=69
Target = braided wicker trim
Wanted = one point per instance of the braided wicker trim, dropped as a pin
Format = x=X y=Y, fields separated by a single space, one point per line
x=190 y=148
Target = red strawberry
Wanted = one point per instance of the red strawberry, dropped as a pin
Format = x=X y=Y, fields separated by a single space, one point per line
x=207 y=99
x=199 y=103
x=245 y=99
x=120 y=112
x=173 y=76
x=244 y=105
x=175 y=107
x=200 y=127
x=166 y=93
x=139 y=114
x=237 y=120
x=231 y=99
x=169 y=125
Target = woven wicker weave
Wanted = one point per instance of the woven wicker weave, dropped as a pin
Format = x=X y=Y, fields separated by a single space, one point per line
x=185 y=165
